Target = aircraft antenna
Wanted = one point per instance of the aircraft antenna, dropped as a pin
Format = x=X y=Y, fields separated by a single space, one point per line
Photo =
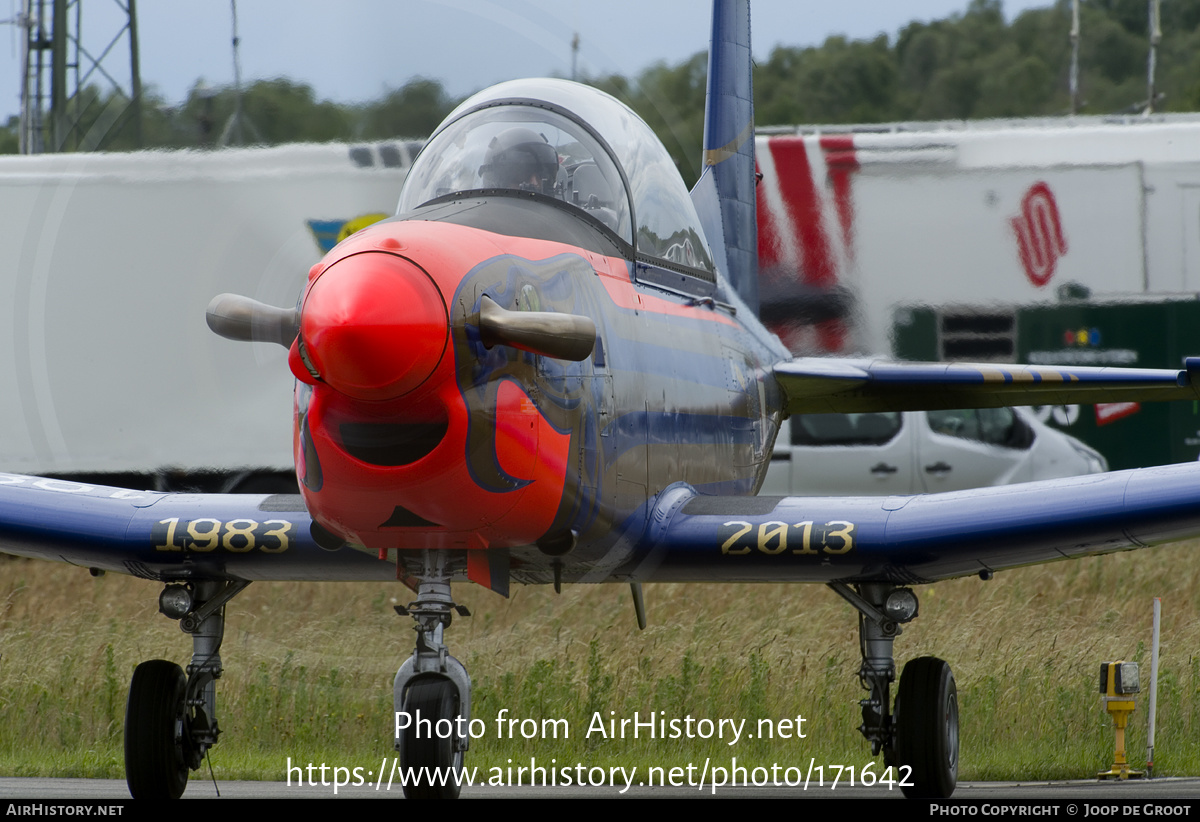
x=575 y=57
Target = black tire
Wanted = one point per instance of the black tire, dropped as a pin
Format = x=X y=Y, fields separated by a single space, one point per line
x=435 y=699
x=156 y=731
x=927 y=728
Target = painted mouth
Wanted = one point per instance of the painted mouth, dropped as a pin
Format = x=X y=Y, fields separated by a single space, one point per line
x=391 y=444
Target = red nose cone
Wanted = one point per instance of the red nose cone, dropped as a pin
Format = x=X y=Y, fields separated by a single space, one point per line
x=374 y=326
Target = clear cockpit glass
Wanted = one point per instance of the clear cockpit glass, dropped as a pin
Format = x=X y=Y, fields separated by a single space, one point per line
x=521 y=147
x=611 y=164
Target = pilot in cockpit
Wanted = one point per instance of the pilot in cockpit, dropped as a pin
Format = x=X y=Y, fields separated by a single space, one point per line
x=522 y=159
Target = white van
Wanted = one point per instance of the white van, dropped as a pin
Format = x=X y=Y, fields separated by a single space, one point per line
x=916 y=452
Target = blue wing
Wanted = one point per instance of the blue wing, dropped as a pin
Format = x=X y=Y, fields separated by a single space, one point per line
x=690 y=537
x=914 y=539
x=172 y=536
x=814 y=386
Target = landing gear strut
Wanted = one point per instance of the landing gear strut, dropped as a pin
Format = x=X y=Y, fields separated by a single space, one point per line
x=432 y=692
x=920 y=737
x=170 y=718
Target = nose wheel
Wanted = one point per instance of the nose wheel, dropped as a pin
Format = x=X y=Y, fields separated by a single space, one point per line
x=423 y=751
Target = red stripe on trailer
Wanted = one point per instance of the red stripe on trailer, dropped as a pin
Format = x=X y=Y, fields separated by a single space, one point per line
x=803 y=204
x=842 y=161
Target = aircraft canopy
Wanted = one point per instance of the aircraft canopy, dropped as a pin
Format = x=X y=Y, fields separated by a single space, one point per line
x=571 y=142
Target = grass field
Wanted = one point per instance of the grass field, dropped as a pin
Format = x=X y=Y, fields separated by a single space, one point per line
x=308 y=668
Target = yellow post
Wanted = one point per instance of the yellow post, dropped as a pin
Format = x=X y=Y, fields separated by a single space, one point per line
x=1118 y=684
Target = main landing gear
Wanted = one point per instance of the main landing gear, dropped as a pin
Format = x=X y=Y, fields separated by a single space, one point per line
x=432 y=692
x=920 y=736
x=170 y=717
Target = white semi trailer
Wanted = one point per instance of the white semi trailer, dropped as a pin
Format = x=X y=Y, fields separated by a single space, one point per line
x=108 y=263
x=1058 y=241
x=971 y=214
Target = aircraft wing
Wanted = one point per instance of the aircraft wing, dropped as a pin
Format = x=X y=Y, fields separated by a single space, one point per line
x=689 y=536
x=820 y=385
x=913 y=539
x=172 y=536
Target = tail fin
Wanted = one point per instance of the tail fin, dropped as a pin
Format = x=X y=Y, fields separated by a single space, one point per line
x=724 y=196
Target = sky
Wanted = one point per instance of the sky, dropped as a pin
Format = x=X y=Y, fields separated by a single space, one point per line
x=356 y=50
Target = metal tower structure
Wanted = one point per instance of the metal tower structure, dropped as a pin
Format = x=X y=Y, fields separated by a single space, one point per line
x=58 y=111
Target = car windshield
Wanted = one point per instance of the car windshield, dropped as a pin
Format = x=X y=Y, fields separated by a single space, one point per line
x=571 y=142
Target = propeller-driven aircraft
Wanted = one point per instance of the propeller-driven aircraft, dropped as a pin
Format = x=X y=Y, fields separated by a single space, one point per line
x=548 y=368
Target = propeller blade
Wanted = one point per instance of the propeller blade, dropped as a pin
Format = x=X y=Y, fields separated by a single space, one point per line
x=562 y=336
x=235 y=317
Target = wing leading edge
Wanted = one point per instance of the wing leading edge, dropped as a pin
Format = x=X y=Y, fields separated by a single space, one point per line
x=914 y=539
x=172 y=536
x=817 y=386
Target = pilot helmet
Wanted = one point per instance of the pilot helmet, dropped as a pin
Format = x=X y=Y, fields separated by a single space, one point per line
x=520 y=158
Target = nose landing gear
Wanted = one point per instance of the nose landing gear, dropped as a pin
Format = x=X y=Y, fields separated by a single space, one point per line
x=432 y=692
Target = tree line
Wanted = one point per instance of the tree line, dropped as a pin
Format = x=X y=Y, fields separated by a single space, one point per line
x=970 y=65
